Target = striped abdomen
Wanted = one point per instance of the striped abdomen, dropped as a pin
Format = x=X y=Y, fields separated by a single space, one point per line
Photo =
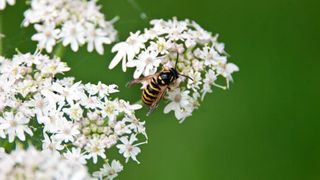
x=151 y=92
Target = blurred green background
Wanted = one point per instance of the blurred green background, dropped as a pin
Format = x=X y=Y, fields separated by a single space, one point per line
x=267 y=126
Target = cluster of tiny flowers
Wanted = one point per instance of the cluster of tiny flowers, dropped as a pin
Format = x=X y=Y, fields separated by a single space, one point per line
x=34 y=164
x=74 y=23
x=3 y=3
x=80 y=121
x=201 y=57
x=22 y=79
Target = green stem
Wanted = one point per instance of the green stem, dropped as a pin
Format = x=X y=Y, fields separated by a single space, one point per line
x=1 y=35
x=59 y=50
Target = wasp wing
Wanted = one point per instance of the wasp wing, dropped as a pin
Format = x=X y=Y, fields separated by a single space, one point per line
x=140 y=80
x=155 y=104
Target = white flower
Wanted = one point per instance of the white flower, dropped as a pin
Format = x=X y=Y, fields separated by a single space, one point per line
x=127 y=50
x=146 y=64
x=73 y=33
x=196 y=81
x=77 y=120
x=121 y=128
x=95 y=148
x=90 y=102
x=96 y=38
x=70 y=94
x=109 y=172
x=3 y=3
x=110 y=109
x=52 y=67
x=208 y=82
x=74 y=23
x=103 y=90
x=180 y=104
x=40 y=104
x=26 y=86
x=33 y=164
x=75 y=112
x=51 y=121
x=128 y=149
x=136 y=125
x=200 y=57
x=51 y=144
x=110 y=140
x=128 y=108
x=76 y=155
x=15 y=125
x=46 y=36
x=161 y=45
x=67 y=131
x=227 y=70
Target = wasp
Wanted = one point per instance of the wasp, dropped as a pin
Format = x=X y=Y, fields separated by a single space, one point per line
x=157 y=86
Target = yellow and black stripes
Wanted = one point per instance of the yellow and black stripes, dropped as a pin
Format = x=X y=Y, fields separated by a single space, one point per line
x=154 y=86
x=157 y=85
x=150 y=93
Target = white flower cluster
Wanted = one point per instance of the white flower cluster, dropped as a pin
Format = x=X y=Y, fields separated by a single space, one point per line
x=79 y=120
x=74 y=23
x=34 y=164
x=201 y=57
x=21 y=81
x=3 y=3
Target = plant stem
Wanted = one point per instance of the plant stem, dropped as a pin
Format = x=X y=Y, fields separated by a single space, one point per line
x=59 y=50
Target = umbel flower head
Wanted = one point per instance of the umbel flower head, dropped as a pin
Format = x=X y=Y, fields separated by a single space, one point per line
x=81 y=121
x=201 y=57
x=34 y=164
x=74 y=23
x=3 y=3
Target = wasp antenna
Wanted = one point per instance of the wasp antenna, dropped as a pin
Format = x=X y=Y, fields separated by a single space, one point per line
x=186 y=76
x=175 y=66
